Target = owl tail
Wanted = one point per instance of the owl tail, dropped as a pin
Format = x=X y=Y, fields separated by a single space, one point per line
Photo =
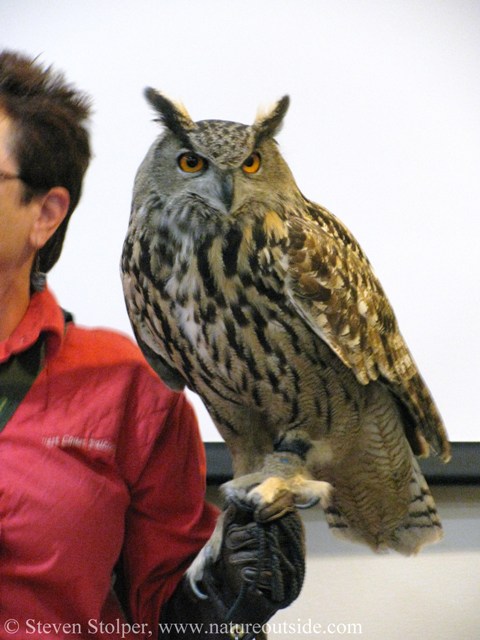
x=422 y=524
x=419 y=525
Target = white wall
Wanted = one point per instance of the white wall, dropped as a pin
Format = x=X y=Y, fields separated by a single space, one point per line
x=383 y=130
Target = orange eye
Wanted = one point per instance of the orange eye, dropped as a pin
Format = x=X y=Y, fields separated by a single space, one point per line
x=191 y=163
x=252 y=163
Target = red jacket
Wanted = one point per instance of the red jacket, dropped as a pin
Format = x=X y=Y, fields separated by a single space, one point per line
x=100 y=456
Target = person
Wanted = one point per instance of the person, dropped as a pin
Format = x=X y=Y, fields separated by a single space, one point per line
x=102 y=470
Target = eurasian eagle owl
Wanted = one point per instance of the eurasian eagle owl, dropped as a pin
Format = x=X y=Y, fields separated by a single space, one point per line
x=262 y=302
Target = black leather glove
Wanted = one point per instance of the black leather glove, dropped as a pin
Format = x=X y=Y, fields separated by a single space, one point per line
x=260 y=569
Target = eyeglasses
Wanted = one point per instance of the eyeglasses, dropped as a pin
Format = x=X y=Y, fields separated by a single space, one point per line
x=8 y=176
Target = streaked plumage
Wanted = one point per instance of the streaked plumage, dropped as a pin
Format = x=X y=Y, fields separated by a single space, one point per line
x=263 y=303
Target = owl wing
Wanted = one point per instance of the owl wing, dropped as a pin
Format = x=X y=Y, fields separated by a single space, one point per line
x=334 y=289
x=136 y=296
x=164 y=371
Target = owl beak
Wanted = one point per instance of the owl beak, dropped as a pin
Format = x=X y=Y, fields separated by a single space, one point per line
x=226 y=190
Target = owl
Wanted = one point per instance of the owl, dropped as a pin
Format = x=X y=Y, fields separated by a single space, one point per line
x=263 y=303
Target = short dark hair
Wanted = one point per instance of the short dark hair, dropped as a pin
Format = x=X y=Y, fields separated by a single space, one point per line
x=51 y=142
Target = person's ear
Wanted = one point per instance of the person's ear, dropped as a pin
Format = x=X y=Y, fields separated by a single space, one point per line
x=53 y=207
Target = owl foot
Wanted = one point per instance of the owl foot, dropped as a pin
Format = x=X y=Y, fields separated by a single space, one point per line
x=274 y=496
x=273 y=493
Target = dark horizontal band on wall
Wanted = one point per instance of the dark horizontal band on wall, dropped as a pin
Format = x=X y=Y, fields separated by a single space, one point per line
x=464 y=467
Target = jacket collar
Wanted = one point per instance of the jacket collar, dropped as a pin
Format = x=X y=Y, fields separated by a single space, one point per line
x=43 y=316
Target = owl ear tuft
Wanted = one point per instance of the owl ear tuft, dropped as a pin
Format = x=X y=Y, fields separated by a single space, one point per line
x=173 y=115
x=269 y=123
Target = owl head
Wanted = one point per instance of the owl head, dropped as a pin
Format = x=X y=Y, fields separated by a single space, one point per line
x=219 y=163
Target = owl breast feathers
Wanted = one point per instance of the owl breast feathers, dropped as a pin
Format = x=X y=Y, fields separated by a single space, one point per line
x=264 y=304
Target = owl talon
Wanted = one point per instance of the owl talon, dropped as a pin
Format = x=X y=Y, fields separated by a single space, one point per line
x=307 y=505
x=196 y=570
x=207 y=555
x=200 y=595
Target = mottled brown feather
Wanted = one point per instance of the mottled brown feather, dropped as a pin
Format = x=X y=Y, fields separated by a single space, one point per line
x=335 y=290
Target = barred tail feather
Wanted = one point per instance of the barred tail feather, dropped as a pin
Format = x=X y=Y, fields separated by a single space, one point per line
x=420 y=526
